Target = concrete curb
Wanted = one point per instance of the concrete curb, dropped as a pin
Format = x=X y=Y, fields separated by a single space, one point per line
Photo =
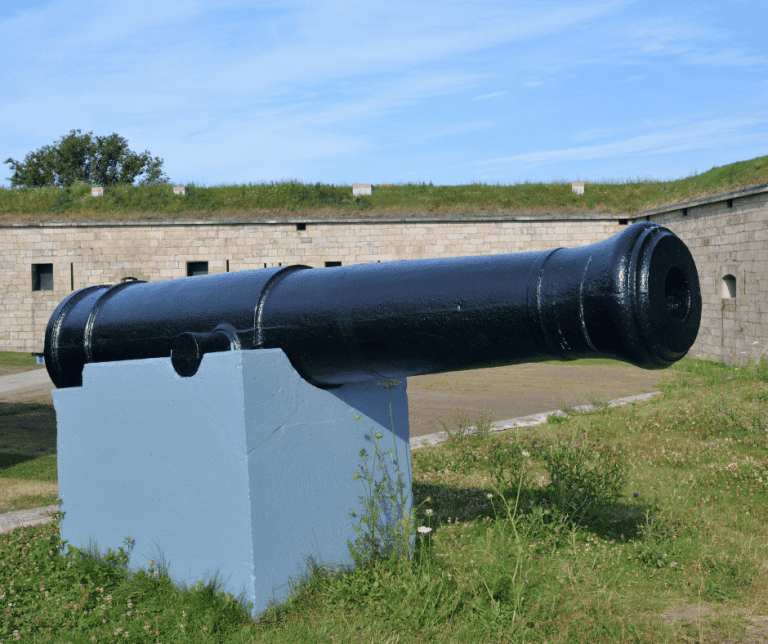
x=27 y=518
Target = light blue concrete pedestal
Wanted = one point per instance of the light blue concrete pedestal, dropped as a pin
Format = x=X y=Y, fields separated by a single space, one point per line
x=244 y=469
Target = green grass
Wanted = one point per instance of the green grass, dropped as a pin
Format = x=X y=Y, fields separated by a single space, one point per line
x=18 y=359
x=22 y=467
x=293 y=198
x=582 y=531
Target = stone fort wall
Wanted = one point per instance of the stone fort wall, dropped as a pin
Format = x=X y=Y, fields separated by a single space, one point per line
x=728 y=238
x=43 y=263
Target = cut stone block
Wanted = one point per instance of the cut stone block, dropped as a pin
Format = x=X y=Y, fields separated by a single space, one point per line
x=179 y=190
x=577 y=187
x=243 y=469
x=97 y=191
x=361 y=189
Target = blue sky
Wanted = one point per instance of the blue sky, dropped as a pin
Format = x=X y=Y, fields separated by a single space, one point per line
x=388 y=92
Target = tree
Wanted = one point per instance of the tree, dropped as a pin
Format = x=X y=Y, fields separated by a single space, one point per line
x=85 y=158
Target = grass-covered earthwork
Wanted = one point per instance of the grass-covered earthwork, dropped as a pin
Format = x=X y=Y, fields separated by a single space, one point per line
x=599 y=528
x=293 y=198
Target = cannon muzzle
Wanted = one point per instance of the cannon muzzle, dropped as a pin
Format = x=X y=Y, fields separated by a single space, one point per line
x=634 y=297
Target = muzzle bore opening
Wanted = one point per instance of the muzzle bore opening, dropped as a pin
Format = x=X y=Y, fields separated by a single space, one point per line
x=677 y=293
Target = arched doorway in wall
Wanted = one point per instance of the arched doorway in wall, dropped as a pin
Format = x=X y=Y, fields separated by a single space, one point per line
x=731 y=329
x=728 y=287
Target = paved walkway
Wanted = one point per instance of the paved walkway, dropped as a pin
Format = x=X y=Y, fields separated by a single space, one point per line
x=24 y=382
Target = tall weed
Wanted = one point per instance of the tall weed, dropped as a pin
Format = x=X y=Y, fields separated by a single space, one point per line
x=582 y=481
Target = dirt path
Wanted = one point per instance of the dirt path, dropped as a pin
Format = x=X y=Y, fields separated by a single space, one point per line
x=511 y=392
x=7 y=370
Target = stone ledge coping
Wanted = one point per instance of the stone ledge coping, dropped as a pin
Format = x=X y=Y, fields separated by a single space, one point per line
x=449 y=219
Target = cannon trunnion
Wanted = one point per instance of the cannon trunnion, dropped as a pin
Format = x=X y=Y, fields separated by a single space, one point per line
x=634 y=296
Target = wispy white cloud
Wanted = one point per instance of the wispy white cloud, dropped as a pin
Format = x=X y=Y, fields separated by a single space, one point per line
x=461 y=128
x=229 y=90
x=491 y=95
x=639 y=39
x=143 y=60
x=596 y=133
x=711 y=133
x=666 y=35
x=319 y=41
x=726 y=58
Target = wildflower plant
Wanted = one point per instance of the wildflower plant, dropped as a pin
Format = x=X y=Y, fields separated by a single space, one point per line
x=386 y=527
x=509 y=465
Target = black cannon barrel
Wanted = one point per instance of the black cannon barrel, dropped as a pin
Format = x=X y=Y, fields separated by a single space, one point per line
x=634 y=296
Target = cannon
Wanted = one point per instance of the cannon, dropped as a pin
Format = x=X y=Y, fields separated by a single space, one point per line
x=634 y=297
x=244 y=462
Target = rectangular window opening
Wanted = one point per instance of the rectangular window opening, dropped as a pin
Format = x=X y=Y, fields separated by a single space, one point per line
x=332 y=264
x=197 y=268
x=623 y=222
x=42 y=277
x=729 y=203
x=72 y=276
x=301 y=226
x=685 y=212
x=227 y=266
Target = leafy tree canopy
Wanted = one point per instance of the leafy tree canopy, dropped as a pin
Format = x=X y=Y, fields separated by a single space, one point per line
x=85 y=158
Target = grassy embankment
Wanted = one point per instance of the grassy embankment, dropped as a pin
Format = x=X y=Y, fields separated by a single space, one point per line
x=581 y=530
x=295 y=199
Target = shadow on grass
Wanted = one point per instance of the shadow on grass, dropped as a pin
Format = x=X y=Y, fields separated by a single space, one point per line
x=626 y=521
x=8 y=461
x=27 y=429
x=28 y=442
